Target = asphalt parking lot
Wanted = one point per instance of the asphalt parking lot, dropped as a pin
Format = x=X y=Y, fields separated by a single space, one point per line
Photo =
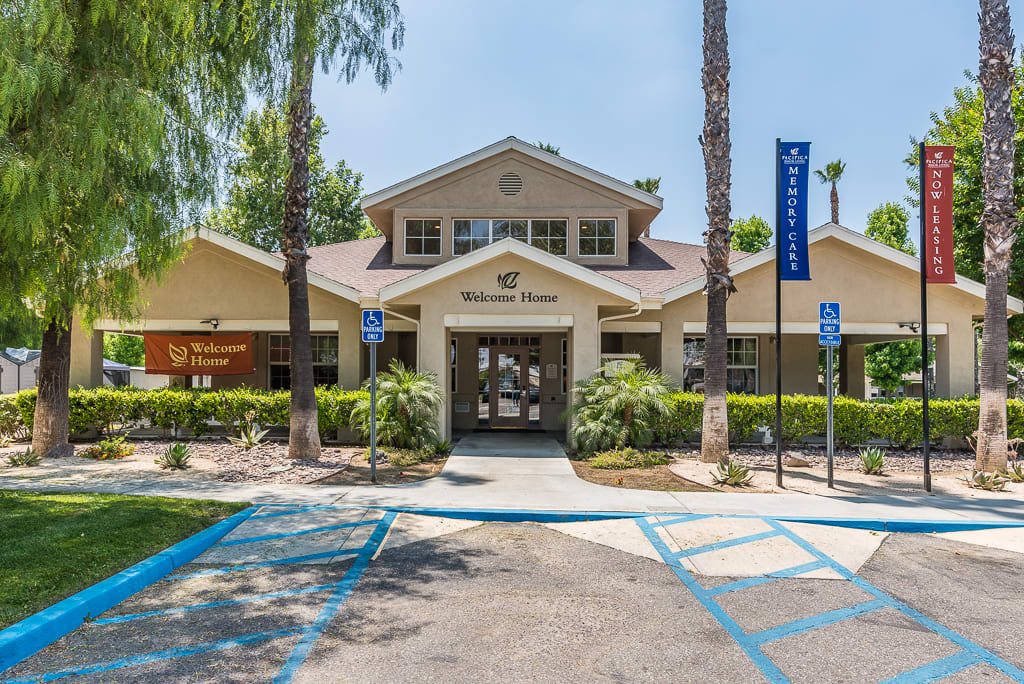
x=362 y=595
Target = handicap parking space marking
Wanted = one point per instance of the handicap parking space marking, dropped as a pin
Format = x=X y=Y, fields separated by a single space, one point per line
x=971 y=653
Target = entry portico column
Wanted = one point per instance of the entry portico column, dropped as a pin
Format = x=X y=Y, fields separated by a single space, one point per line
x=434 y=359
x=586 y=344
x=86 y=356
x=851 y=370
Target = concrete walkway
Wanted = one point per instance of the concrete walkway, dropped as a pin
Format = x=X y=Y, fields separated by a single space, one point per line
x=531 y=471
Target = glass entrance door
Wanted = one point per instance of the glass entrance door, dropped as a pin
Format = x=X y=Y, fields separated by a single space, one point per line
x=509 y=401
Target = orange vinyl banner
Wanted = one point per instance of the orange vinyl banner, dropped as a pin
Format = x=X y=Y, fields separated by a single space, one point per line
x=199 y=354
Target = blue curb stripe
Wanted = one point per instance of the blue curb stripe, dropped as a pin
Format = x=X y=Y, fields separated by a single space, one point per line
x=265 y=564
x=764 y=579
x=738 y=541
x=333 y=605
x=213 y=604
x=516 y=515
x=295 y=512
x=933 y=672
x=266 y=537
x=180 y=652
x=769 y=669
x=816 y=621
x=25 y=638
x=899 y=525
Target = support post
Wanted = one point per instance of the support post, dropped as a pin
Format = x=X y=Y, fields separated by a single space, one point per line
x=829 y=436
x=373 y=412
x=778 y=316
x=926 y=431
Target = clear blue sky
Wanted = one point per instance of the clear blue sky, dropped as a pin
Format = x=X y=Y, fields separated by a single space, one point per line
x=617 y=86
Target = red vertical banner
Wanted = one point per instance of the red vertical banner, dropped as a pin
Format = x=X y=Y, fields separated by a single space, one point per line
x=937 y=190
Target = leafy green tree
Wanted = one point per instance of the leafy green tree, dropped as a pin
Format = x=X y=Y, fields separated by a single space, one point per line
x=407 y=406
x=889 y=363
x=286 y=42
x=106 y=110
x=254 y=205
x=548 y=147
x=832 y=172
x=750 y=234
x=889 y=224
x=19 y=326
x=127 y=349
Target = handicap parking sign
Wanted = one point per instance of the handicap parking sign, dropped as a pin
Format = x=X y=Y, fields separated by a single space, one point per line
x=373 y=325
x=828 y=318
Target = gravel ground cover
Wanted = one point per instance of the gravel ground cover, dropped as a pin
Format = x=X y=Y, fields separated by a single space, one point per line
x=896 y=460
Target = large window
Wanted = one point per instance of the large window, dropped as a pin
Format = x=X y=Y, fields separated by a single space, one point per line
x=741 y=362
x=549 y=235
x=597 y=237
x=325 y=360
x=423 y=237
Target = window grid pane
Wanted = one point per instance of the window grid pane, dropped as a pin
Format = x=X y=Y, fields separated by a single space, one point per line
x=741 y=364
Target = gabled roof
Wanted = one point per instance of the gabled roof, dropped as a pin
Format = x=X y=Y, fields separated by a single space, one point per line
x=510 y=246
x=513 y=143
x=850 y=237
x=20 y=356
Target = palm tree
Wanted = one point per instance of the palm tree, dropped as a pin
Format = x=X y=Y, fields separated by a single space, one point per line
x=999 y=221
x=407 y=406
x=832 y=173
x=548 y=147
x=618 y=406
x=717 y=147
x=650 y=185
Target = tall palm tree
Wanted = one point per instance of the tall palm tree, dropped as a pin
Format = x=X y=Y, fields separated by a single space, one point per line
x=832 y=173
x=650 y=185
x=999 y=221
x=717 y=148
x=548 y=147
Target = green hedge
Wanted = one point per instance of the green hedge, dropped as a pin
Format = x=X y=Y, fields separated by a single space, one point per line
x=898 y=422
x=108 y=408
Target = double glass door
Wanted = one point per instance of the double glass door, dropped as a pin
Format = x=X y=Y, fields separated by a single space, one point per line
x=509 y=392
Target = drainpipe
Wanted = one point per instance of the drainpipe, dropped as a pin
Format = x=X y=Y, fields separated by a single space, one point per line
x=601 y=322
x=411 y=320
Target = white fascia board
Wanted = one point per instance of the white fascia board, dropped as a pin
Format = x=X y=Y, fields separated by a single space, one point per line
x=477 y=322
x=500 y=248
x=512 y=143
x=193 y=325
x=811 y=328
x=273 y=261
x=631 y=326
x=850 y=237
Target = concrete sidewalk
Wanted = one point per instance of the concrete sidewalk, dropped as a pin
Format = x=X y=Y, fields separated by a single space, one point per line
x=530 y=471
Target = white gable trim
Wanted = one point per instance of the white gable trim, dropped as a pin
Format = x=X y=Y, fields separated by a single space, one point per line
x=850 y=237
x=512 y=143
x=271 y=260
x=500 y=248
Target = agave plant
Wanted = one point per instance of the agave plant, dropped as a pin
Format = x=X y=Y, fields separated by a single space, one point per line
x=175 y=457
x=1014 y=472
x=993 y=482
x=407 y=405
x=249 y=436
x=872 y=460
x=732 y=473
x=26 y=458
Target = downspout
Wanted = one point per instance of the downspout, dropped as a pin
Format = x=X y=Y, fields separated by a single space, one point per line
x=601 y=322
x=411 y=320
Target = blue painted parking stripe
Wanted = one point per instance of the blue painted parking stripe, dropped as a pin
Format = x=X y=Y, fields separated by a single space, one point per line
x=769 y=669
x=933 y=672
x=265 y=564
x=280 y=535
x=295 y=512
x=816 y=621
x=690 y=517
x=333 y=605
x=738 y=541
x=213 y=604
x=963 y=642
x=180 y=652
x=764 y=579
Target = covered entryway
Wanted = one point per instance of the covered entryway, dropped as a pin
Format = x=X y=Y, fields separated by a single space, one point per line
x=508 y=381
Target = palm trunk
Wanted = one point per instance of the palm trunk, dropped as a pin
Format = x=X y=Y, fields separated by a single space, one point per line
x=717 y=148
x=834 y=196
x=303 y=435
x=50 y=424
x=999 y=222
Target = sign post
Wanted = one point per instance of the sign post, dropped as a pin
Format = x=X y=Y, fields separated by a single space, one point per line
x=373 y=332
x=829 y=321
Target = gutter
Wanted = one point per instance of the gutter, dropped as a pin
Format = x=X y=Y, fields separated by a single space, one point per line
x=601 y=322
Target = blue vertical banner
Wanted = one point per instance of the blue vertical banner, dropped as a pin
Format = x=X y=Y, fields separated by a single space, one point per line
x=791 y=240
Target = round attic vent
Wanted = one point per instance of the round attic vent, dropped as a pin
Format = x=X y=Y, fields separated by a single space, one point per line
x=510 y=184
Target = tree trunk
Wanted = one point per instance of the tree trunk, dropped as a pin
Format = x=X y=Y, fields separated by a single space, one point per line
x=303 y=435
x=999 y=221
x=717 y=148
x=51 y=421
x=834 y=196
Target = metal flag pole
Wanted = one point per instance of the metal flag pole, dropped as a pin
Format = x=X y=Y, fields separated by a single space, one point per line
x=924 y=328
x=778 y=313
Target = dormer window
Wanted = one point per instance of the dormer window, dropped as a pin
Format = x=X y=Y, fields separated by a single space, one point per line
x=423 y=237
x=550 y=235
x=597 y=237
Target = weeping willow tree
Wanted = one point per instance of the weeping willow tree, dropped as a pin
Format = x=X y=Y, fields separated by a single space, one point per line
x=106 y=113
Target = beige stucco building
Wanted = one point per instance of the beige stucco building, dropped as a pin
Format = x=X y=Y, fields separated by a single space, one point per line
x=511 y=272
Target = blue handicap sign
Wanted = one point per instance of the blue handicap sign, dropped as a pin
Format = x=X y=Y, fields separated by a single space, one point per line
x=373 y=325
x=828 y=318
x=829 y=340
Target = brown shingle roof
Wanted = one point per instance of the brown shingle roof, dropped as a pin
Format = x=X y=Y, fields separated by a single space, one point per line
x=654 y=265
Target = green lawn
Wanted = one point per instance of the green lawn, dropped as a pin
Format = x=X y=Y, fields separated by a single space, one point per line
x=53 y=545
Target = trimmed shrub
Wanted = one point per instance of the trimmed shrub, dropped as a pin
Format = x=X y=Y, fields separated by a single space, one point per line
x=623 y=459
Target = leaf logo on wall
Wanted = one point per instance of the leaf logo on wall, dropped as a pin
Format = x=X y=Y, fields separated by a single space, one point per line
x=508 y=281
x=179 y=355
